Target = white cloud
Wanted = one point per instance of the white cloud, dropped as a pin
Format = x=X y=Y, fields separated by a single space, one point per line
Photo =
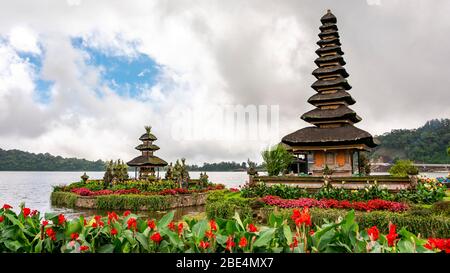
x=210 y=53
x=24 y=39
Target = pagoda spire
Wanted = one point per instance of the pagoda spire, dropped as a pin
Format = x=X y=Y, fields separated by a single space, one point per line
x=332 y=98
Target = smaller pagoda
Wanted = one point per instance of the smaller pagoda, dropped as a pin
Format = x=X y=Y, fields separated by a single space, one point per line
x=147 y=163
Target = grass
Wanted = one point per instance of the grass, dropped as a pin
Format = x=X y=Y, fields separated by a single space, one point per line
x=447 y=197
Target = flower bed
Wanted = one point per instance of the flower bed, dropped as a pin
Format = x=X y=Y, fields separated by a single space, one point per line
x=376 y=204
x=129 y=233
x=88 y=192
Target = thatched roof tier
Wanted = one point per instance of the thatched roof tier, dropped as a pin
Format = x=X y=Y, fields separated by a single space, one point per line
x=322 y=115
x=330 y=32
x=329 y=70
x=148 y=136
x=340 y=95
x=315 y=136
x=144 y=161
x=328 y=18
x=329 y=42
x=147 y=147
x=330 y=59
x=329 y=49
x=328 y=26
x=338 y=82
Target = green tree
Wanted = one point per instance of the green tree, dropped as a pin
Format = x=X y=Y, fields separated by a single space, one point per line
x=403 y=168
x=276 y=159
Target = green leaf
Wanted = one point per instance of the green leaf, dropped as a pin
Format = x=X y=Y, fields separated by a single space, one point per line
x=142 y=240
x=13 y=245
x=264 y=237
x=14 y=220
x=405 y=246
x=72 y=227
x=199 y=229
x=165 y=220
x=238 y=220
x=287 y=234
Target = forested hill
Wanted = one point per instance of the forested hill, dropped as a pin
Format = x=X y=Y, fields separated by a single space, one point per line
x=427 y=144
x=15 y=160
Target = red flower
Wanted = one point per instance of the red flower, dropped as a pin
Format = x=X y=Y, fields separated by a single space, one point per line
x=311 y=232
x=84 y=222
x=180 y=228
x=34 y=212
x=392 y=235
x=437 y=243
x=113 y=231
x=126 y=213
x=156 y=237
x=171 y=226
x=209 y=234
x=213 y=225
x=51 y=233
x=94 y=225
x=203 y=244
x=294 y=243
x=74 y=236
x=229 y=243
x=112 y=217
x=151 y=224
x=61 y=219
x=373 y=233
x=44 y=223
x=1 y=218
x=243 y=242
x=132 y=223
x=301 y=217
x=6 y=206
x=84 y=248
x=252 y=228
x=26 y=212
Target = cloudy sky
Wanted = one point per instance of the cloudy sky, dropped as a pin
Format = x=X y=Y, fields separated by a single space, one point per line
x=81 y=78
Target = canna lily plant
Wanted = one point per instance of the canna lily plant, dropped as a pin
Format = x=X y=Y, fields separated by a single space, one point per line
x=28 y=232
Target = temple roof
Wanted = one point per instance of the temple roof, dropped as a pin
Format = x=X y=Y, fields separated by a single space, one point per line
x=328 y=18
x=328 y=26
x=338 y=82
x=142 y=161
x=315 y=136
x=327 y=70
x=148 y=136
x=329 y=41
x=340 y=113
x=147 y=147
x=329 y=32
x=329 y=49
x=329 y=59
x=337 y=96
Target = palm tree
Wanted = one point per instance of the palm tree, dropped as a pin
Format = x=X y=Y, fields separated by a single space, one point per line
x=276 y=159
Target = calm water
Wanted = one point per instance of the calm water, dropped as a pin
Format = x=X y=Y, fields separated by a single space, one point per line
x=34 y=189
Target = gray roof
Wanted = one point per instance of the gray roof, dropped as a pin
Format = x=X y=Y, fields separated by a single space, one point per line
x=147 y=161
x=342 y=112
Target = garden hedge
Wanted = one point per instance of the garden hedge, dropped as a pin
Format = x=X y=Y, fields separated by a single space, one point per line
x=133 y=202
x=222 y=204
x=422 y=222
x=65 y=199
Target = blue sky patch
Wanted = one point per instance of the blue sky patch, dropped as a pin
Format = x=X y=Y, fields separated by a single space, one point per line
x=124 y=74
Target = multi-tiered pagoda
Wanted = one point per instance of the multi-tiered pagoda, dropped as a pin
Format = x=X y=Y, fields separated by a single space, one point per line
x=333 y=141
x=147 y=162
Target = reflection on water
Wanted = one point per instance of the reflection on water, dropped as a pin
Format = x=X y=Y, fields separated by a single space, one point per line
x=34 y=189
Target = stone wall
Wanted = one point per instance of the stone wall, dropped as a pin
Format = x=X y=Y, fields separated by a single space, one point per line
x=174 y=201
x=311 y=183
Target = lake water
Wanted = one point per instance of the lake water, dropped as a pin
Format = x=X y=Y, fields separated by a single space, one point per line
x=34 y=189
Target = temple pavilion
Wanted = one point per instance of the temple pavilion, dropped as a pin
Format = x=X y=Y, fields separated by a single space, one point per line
x=147 y=163
x=333 y=140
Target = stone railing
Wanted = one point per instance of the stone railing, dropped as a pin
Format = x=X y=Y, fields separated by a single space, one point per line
x=313 y=183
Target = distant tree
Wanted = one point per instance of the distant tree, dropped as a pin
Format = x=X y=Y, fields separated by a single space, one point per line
x=403 y=168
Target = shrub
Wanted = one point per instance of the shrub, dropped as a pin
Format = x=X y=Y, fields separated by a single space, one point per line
x=276 y=160
x=223 y=204
x=65 y=199
x=402 y=168
x=442 y=207
x=133 y=202
x=283 y=191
